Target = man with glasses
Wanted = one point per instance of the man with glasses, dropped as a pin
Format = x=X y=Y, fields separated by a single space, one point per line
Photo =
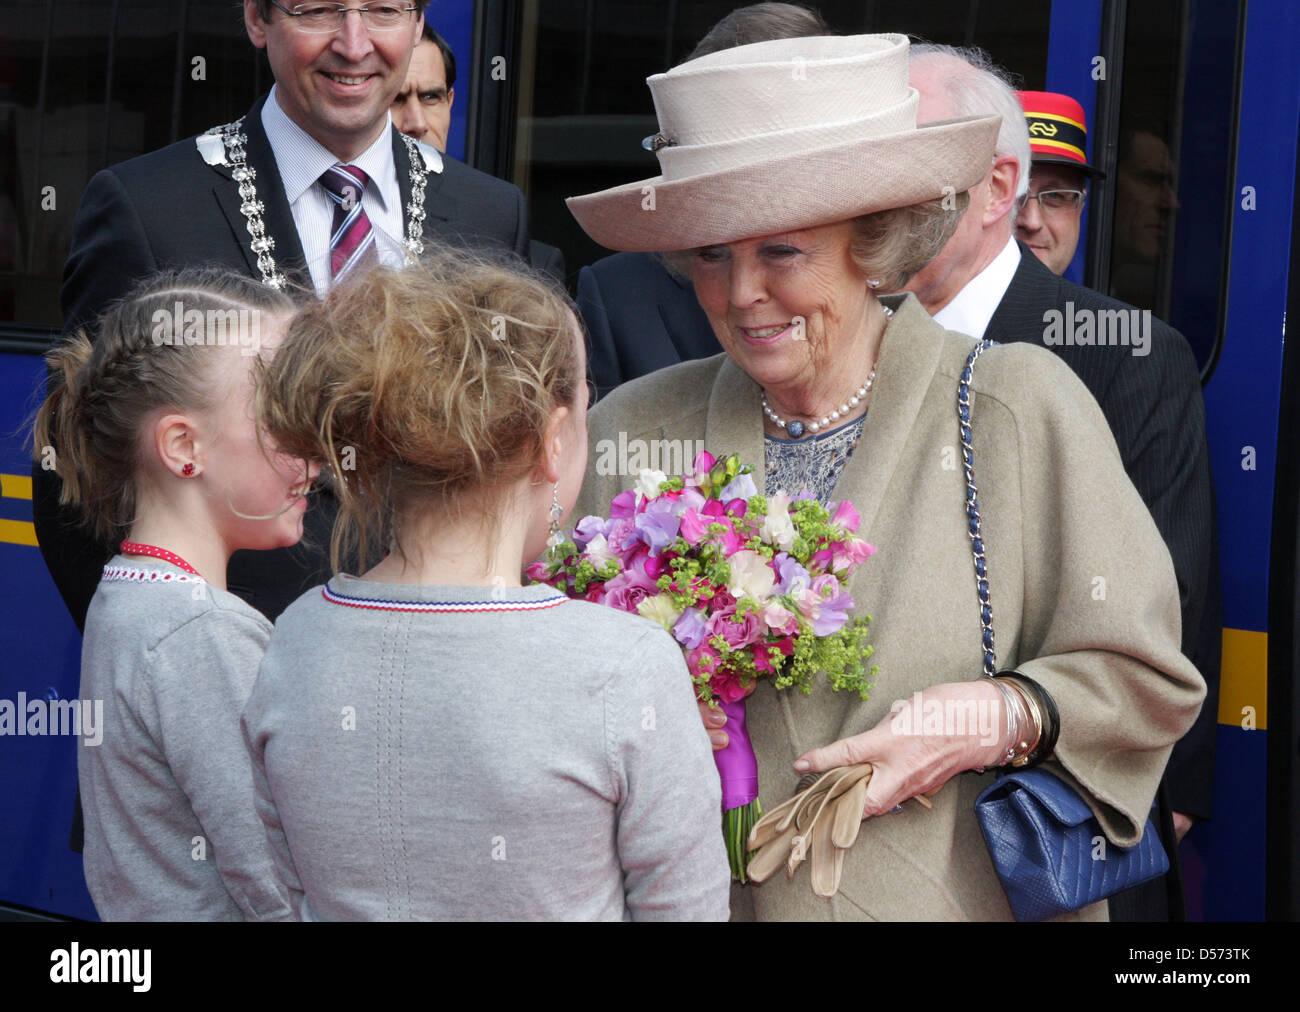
x=987 y=285
x=311 y=183
x=1048 y=222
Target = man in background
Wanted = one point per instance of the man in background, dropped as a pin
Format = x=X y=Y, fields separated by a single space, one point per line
x=335 y=75
x=985 y=284
x=422 y=109
x=1048 y=222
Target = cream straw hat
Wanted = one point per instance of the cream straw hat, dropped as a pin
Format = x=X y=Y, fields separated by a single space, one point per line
x=785 y=135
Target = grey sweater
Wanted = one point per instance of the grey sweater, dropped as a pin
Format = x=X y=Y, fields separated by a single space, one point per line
x=172 y=832
x=483 y=753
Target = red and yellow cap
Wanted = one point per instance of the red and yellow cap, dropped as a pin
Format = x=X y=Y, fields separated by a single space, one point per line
x=1057 y=131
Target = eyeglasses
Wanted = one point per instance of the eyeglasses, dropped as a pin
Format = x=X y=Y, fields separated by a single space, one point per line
x=1056 y=201
x=326 y=19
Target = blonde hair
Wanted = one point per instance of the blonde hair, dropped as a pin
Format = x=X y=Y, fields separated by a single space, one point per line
x=420 y=388
x=890 y=246
x=100 y=393
x=893 y=246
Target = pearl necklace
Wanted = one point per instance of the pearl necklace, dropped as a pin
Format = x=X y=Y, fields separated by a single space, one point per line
x=796 y=428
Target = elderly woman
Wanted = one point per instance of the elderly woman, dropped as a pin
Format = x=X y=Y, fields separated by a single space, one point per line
x=795 y=186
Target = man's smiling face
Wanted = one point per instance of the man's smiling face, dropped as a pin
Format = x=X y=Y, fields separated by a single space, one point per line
x=338 y=86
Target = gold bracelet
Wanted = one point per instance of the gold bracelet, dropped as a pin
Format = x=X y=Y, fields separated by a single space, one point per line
x=1033 y=715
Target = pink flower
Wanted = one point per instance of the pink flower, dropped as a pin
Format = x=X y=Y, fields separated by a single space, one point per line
x=630 y=588
x=703 y=464
x=737 y=632
x=780 y=619
x=655 y=565
x=846 y=516
x=694 y=527
x=849 y=553
x=761 y=661
x=702 y=661
x=622 y=535
x=726 y=685
x=623 y=506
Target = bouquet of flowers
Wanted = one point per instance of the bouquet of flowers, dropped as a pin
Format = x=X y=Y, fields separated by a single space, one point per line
x=751 y=586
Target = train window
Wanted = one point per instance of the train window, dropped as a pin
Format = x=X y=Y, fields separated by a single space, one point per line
x=583 y=105
x=1173 y=169
x=88 y=83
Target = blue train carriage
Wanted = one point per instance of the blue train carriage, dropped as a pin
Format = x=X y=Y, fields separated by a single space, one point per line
x=552 y=97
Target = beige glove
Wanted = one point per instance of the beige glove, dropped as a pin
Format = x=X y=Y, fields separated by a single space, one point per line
x=823 y=820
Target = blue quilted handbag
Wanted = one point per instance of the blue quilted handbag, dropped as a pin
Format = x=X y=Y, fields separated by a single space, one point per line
x=1041 y=835
x=1039 y=832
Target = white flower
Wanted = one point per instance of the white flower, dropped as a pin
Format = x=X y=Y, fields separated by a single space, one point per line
x=778 y=528
x=661 y=609
x=597 y=551
x=751 y=576
x=648 y=482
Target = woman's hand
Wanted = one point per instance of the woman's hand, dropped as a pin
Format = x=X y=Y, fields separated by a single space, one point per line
x=713 y=719
x=917 y=749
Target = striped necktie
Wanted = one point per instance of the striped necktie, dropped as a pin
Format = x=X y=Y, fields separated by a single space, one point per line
x=352 y=239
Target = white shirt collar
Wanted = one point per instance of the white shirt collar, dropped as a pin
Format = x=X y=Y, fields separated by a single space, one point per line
x=302 y=159
x=974 y=306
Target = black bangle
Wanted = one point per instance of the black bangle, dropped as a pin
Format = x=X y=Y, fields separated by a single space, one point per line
x=1051 y=728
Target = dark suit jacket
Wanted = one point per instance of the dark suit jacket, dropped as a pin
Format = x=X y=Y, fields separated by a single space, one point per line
x=639 y=318
x=169 y=209
x=549 y=260
x=1155 y=410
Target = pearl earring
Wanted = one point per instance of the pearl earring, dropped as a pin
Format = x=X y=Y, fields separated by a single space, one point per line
x=873 y=283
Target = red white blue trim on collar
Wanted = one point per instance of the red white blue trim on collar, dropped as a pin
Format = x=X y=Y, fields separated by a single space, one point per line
x=374 y=604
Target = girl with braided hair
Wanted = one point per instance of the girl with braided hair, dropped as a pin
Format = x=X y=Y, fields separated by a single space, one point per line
x=157 y=446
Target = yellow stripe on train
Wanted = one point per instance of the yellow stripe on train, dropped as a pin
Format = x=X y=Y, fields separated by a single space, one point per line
x=1243 y=690
x=18 y=532
x=16 y=486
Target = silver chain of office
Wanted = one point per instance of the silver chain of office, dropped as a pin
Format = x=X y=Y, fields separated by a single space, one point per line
x=234 y=140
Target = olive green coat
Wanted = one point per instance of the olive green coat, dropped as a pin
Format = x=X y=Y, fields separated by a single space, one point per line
x=1083 y=592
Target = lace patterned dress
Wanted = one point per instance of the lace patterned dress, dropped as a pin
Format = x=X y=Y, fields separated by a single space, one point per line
x=811 y=464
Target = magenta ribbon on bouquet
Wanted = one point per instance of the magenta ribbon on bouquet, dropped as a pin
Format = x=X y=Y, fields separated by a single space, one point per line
x=750 y=586
x=738 y=770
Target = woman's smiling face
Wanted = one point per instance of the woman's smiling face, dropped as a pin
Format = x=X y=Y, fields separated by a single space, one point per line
x=785 y=307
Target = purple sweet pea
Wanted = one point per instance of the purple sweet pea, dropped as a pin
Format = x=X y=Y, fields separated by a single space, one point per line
x=588 y=528
x=833 y=605
x=657 y=525
x=792 y=577
x=690 y=630
x=690 y=499
x=740 y=487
